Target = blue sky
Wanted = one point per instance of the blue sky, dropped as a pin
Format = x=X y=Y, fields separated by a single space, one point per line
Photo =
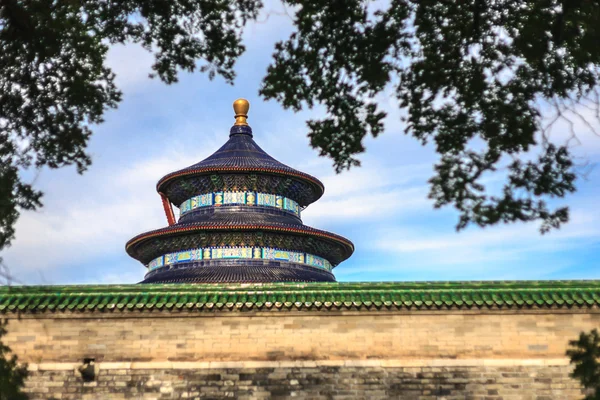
x=80 y=234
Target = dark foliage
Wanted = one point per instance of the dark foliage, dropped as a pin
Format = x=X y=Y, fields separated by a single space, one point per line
x=471 y=77
x=54 y=83
x=12 y=375
x=585 y=354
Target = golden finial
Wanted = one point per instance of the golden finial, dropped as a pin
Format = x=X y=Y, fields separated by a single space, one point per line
x=241 y=107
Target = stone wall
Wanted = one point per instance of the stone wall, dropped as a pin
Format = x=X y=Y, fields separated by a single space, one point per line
x=327 y=382
x=451 y=354
x=328 y=335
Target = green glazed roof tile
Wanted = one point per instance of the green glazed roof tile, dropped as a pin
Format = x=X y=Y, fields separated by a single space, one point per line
x=366 y=296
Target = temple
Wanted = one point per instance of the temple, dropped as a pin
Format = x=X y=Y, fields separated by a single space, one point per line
x=239 y=220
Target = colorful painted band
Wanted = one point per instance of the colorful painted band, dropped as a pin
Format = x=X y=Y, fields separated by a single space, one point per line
x=219 y=253
x=245 y=198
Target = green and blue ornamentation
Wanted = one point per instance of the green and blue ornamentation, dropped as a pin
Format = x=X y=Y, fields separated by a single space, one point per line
x=224 y=253
x=282 y=255
x=268 y=200
x=240 y=198
x=319 y=262
x=234 y=198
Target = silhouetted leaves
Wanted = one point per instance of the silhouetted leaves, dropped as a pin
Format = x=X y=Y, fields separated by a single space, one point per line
x=12 y=375
x=585 y=354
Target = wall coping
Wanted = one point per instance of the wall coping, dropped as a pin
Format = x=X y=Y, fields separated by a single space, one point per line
x=348 y=296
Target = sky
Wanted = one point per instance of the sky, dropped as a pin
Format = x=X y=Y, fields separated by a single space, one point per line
x=79 y=235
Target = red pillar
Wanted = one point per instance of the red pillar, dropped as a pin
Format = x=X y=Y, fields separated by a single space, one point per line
x=168 y=209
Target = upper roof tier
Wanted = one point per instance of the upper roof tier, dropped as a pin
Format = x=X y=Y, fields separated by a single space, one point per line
x=239 y=165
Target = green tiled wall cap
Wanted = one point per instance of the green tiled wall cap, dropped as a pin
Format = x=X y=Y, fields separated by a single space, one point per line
x=362 y=296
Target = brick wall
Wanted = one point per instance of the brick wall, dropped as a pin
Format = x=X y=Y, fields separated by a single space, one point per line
x=231 y=336
x=334 y=382
x=487 y=355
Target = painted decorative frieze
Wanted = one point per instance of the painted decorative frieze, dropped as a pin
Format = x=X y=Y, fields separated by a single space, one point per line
x=241 y=198
x=219 y=253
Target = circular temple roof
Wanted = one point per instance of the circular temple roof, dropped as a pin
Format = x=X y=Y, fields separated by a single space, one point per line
x=239 y=155
x=148 y=245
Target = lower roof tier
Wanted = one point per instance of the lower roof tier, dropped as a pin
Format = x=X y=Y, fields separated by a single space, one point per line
x=182 y=237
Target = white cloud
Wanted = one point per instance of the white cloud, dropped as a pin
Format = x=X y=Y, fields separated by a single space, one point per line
x=440 y=248
x=131 y=63
x=374 y=191
x=374 y=176
x=367 y=205
x=76 y=225
x=86 y=229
